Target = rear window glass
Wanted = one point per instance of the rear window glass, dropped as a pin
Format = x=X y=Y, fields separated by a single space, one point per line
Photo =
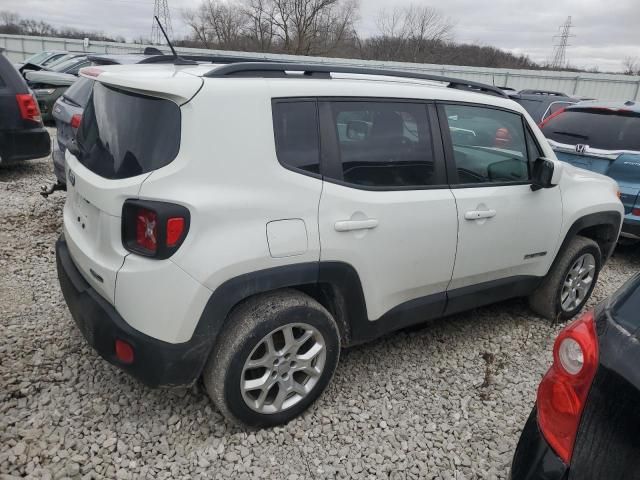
x=125 y=134
x=79 y=92
x=597 y=128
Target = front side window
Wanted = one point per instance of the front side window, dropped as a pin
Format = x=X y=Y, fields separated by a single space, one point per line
x=124 y=134
x=384 y=144
x=296 y=134
x=489 y=145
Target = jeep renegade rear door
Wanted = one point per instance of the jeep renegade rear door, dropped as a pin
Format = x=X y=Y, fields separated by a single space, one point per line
x=386 y=209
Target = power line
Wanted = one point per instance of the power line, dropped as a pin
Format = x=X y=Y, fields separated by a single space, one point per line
x=161 y=10
x=560 y=52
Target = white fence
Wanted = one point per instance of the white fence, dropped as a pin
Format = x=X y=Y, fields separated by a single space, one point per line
x=592 y=85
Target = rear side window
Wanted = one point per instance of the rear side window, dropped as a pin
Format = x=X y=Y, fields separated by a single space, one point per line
x=598 y=128
x=385 y=144
x=124 y=134
x=489 y=145
x=296 y=134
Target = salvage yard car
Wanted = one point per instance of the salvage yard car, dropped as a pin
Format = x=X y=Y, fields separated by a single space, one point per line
x=22 y=134
x=50 y=83
x=604 y=138
x=587 y=417
x=243 y=222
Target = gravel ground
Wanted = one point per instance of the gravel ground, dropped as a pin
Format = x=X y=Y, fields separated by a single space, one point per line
x=446 y=401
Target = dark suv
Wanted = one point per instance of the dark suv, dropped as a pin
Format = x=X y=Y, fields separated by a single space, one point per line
x=541 y=104
x=22 y=134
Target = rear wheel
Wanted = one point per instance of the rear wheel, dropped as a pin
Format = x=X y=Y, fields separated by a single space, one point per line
x=274 y=358
x=569 y=283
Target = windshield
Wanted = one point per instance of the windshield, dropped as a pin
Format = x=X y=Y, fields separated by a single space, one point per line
x=37 y=58
x=67 y=64
x=596 y=127
x=123 y=134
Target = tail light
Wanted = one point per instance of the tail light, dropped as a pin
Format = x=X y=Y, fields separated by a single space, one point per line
x=553 y=115
x=75 y=121
x=154 y=229
x=563 y=391
x=28 y=106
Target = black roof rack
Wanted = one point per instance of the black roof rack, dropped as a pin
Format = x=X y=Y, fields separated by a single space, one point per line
x=205 y=58
x=275 y=70
x=542 y=92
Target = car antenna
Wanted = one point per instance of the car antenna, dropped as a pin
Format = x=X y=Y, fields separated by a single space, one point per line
x=178 y=59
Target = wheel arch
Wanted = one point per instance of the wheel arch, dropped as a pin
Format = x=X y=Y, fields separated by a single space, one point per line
x=602 y=227
x=335 y=285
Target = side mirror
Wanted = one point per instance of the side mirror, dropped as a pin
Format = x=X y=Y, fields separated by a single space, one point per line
x=542 y=174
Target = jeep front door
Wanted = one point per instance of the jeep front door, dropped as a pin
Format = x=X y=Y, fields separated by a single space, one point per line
x=507 y=232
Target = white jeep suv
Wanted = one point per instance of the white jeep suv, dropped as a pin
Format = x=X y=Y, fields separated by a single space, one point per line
x=243 y=222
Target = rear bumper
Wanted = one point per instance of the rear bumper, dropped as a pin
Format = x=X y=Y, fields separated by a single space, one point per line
x=534 y=459
x=59 y=166
x=156 y=363
x=16 y=145
x=631 y=227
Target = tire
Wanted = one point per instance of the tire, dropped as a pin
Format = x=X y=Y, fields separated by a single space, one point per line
x=547 y=299
x=279 y=369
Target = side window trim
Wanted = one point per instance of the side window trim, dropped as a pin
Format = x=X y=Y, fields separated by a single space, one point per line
x=452 y=171
x=330 y=160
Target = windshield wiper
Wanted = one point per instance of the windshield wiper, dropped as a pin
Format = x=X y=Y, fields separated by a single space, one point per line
x=569 y=134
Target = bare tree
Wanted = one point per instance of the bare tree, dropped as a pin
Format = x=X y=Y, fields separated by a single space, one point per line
x=406 y=32
x=215 y=23
x=303 y=27
x=631 y=66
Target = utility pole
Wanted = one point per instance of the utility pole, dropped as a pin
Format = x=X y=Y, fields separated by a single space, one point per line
x=560 y=52
x=161 y=10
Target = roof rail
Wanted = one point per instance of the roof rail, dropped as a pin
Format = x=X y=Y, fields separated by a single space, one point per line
x=205 y=58
x=273 y=69
x=543 y=92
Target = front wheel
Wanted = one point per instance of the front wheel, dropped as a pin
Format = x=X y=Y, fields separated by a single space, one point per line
x=275 y=357
x=570 y=282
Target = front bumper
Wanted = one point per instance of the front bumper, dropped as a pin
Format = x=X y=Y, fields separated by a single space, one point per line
x=534 y=459
x=156 y=363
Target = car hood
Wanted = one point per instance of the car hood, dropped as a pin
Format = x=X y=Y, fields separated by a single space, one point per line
x=52 y=78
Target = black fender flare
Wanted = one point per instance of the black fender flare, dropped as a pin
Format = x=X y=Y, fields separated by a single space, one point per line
x=610 y=218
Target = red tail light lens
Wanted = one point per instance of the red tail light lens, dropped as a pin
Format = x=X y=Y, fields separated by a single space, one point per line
x=147 y=230
x=75 y=121
x=175 y=227
x=636 y=212
x=28 y=106
x=563 y=391
x=553 y=115
x=154 y=229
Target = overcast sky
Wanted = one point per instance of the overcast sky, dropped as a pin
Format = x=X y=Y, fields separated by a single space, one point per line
x=605 y=31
